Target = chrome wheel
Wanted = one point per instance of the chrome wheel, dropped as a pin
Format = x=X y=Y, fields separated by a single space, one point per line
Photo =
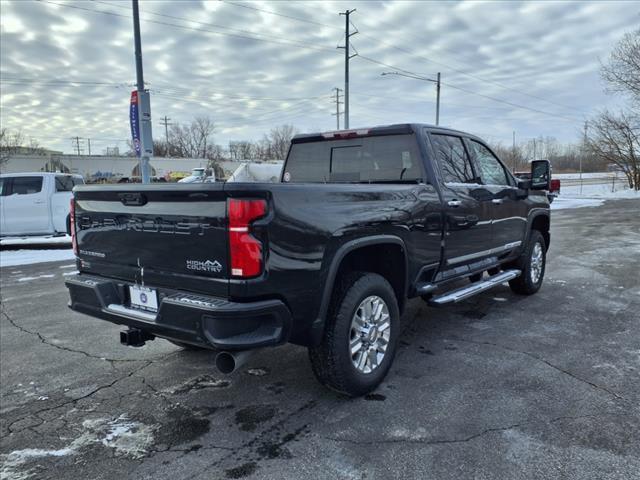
x=537 y=263
x=370 y=333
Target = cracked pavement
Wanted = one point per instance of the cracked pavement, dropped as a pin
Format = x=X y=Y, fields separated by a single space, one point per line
x=498 y=386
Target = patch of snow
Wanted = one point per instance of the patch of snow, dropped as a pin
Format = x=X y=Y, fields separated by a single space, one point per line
x=66 y=274
x=43 y=240
x=10 y=258
x=600 y=190
x=71 y=265
x=563 y=202
x=591 y=195
x=576 y=176
x=28 y=279
x=126 y=437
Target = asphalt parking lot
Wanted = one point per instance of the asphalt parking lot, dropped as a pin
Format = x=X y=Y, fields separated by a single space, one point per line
x=499 y=386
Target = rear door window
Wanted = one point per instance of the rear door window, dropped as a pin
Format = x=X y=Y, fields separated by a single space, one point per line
x=491 y=170
x=453 y=159
x=26 y=185
x=389 y=158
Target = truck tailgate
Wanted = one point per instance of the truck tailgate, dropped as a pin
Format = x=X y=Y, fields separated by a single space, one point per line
x=173 y=236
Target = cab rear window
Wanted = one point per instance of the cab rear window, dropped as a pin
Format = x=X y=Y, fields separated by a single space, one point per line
x=389 y=158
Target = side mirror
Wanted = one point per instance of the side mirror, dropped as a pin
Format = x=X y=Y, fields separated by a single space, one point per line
x=524 y=184
x=540 y=175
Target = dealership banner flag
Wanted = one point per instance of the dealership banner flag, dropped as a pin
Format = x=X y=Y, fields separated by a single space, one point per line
x=133 y=119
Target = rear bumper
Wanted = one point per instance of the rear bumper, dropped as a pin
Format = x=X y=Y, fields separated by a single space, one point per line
x=185 y=317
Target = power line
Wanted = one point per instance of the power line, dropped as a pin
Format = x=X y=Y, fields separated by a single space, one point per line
x=470 y=75
x=271 y=12
x=162 y=89
x=207 y=24
x=414 y=54
x=516 y=105
x=208 y=30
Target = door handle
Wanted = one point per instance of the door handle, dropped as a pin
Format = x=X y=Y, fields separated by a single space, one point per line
x=39 y=202
x=454 y=203
x=497 y=201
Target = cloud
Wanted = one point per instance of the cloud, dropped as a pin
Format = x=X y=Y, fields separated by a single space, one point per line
x=250 y=70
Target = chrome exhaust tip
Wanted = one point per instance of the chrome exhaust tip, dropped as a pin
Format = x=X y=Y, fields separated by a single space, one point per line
x=229 y=362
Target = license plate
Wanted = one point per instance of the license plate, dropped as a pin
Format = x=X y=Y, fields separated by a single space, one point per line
x=144 y=298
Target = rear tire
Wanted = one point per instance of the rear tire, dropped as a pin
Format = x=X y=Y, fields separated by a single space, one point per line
x=532 y=262
x=356 y=350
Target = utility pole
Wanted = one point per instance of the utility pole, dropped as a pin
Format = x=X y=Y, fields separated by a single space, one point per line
x=438 y=99
x=89 y=145
x=76 y=143
x=514 y=152
x=347 y=57
x=144 y=103
x=338 y=103
x=165 y=122
x=584 y=151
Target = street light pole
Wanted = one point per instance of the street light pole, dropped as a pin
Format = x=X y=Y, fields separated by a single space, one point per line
x=425 y=79
x=438 y=100
x=144 y=104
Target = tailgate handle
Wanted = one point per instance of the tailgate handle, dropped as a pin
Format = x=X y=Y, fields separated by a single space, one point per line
x=133 y=199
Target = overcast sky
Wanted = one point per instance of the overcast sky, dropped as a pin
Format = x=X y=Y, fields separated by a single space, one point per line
x=254 y=65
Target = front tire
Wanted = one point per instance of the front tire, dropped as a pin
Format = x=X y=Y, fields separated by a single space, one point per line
x=359 y=342
x=532 y=262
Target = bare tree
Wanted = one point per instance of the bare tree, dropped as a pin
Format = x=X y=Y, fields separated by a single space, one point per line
x=616 y=139
x=10 y=143
x=513 y=156
x=191 y=140
x=242 y=150
x=279 y=139
x=622 y=72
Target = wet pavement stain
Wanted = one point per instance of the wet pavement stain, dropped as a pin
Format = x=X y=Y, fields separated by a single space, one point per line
x=474 y=314
x=277 y=449
x=276 y=387
x=202 y=382
x=248 y=418
x=242 y=471
x=184 y=425
x=426 y=351
x=376 y=397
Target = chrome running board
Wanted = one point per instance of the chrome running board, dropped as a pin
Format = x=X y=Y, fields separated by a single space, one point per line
x=455 y=296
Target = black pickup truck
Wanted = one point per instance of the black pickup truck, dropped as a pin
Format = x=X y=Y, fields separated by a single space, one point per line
x=361 y=221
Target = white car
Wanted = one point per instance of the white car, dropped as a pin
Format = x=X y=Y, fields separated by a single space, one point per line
x=198 y=175
x=35 y=203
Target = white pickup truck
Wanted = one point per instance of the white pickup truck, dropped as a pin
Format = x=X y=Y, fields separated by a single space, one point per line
x=35 y=203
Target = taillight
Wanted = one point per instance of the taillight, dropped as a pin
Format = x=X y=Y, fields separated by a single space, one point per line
x=72 y=226
x=245 y=249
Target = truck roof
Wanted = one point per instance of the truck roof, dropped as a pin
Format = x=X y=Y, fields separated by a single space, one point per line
x=393 y=129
